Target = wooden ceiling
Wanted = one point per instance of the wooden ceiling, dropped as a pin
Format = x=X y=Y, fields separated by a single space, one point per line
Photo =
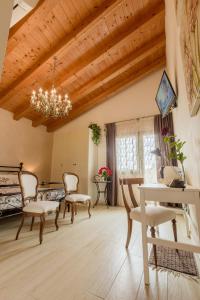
x=102 y=46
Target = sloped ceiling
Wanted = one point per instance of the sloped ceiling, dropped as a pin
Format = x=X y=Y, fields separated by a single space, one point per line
x=103 y=46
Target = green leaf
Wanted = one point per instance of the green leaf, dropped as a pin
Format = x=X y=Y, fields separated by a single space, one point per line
x=96 y=133
x=175 y=146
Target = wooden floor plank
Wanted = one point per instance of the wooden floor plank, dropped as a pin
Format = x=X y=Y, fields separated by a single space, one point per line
x=84 y=261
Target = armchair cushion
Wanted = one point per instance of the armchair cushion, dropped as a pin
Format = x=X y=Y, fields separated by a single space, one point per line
x=77 y=198
x=41 y=207
x=155 y=215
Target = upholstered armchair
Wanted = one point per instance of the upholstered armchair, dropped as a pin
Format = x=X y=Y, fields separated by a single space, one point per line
x=31 y=206
x=72 y=198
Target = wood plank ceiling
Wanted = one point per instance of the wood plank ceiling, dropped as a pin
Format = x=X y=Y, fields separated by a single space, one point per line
x=103 y=46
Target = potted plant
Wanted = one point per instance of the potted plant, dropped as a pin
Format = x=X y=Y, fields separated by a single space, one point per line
x=175 y=149
x=96 y=133
x=105 y=173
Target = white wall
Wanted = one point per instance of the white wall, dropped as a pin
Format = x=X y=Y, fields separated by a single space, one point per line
x=20 y=142
x=71 y=142
x=186 y=127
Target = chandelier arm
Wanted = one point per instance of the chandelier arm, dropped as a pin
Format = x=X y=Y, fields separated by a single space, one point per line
x=51 y=104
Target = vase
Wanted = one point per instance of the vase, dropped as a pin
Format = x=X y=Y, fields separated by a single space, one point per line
x=104 y=178
x=171 y=173
x=183 y=174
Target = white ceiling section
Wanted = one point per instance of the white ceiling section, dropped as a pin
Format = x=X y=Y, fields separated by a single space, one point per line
x=21 y=8
x=11 y=11
x=6 y=7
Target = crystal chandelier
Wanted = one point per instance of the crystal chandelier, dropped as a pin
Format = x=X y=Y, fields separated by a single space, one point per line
x=51 y=104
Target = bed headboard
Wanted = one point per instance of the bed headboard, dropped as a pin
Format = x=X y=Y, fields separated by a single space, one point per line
x=11 y=169
x=9 y=175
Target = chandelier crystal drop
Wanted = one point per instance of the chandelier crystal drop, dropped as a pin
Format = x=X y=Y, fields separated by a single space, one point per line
x=51 y=104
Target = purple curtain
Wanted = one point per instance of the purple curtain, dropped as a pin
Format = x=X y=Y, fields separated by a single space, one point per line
x=164 y=160
x=159 y=124
x=111 y=163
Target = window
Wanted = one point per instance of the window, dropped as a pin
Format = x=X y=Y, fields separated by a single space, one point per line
x=133 y=146
x=149 y=159
x=127 y=154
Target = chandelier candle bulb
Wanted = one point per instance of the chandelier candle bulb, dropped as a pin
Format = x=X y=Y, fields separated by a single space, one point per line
x=51 y=104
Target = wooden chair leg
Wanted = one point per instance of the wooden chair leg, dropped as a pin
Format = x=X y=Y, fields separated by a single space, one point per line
x=75 y=206
x=174 y=229
x=130 y=225
x=56 y=218
x=65 y=207
x=89 y=207
x=72 y=212
x=187 y=224
x=153 y=234
x=32 y=223
x=59 y=206
x=20 y=226
x=42 y=221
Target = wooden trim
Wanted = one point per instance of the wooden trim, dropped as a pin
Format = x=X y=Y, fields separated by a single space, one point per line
x=86 y=25
x=84 y=107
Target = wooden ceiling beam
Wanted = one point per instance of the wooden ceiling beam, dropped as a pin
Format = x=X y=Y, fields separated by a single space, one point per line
x=115 y=70
x=114 y=89
x=21 y=111
x=121 y=66
x=86 y=25
x=39 y=121
x=111 y=43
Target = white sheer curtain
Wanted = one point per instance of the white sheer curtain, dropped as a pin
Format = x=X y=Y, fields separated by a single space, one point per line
x=134 y=143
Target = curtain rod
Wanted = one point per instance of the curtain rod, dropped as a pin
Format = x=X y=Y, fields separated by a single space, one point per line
x=150 y=116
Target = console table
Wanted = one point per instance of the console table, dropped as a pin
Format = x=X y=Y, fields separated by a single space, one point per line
x=162 y=193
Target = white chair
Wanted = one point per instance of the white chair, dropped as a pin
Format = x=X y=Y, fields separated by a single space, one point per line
x=72 y=198
x=155 y=215
x=31 y=206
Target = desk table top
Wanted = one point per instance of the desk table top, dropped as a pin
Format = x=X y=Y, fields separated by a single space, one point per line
x=164 y=187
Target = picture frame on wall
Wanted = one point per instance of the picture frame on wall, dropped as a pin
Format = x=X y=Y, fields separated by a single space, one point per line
x=188 y=20
x=165 y=97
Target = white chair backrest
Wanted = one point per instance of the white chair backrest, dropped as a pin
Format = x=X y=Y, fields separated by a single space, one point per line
x=70 y=182
x=29 y=184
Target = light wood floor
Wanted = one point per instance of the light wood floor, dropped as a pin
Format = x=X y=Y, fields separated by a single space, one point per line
x=84 y=261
